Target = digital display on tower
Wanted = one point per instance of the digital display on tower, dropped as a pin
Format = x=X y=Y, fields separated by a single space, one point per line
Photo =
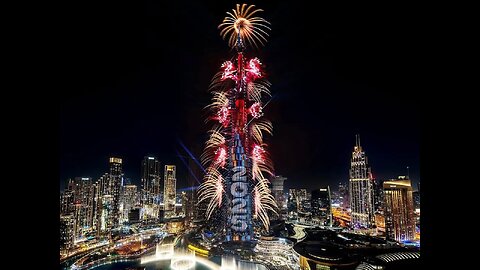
x=239 y=191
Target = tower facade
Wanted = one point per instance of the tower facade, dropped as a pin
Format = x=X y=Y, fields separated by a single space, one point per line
x=343 y=195
x=116 y=183
x=361 y=190
x=84 y=192
x=322 y=206
x=279 y=195
x=67 y=224
x=152 y=187
x=130 y=200
x=170 y=190
x=238 y=167
x=399 y=218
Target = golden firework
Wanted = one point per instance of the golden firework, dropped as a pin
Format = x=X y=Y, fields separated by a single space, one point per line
x=241 y=23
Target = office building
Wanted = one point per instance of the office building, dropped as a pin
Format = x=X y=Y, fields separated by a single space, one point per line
x=279 y=195
x=343 y=196
x=169 y=192
x=361 y=190
x=116 y=183
x=105 y=222
x=66 y=202
x=151 y=180
x=67 y=223
x=378 y=195
x=292 y=204
x=399 y=218
x=130 y=200
x=322 y=206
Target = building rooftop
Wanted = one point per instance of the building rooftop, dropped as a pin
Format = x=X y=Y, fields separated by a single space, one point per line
x=339 y=248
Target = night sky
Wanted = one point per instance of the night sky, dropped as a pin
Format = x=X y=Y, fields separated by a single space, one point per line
x=138 y=76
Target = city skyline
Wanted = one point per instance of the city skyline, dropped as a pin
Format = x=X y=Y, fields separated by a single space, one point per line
x=309 y=131
x=353 y=79
x=134 y=174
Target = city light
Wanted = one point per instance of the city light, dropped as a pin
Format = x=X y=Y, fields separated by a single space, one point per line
x=229 y=208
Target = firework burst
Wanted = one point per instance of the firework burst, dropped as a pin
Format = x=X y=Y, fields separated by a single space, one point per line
x=212 y=190
x=242 y=23
x=235 y=155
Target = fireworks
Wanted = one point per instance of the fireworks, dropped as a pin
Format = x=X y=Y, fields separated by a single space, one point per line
x=228 y=71
x=220 y=156
x=256 y=110
x=241 y=23
x=253 y=70
x=235 y=155
x=212 y=190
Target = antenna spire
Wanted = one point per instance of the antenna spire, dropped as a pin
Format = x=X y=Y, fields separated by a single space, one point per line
x=357 y=140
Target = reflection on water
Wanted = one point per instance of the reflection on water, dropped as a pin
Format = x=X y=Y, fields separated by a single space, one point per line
x=164 y=265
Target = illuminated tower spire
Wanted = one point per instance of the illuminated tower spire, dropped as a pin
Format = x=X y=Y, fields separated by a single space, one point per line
x=361 y=189
x=235 y=155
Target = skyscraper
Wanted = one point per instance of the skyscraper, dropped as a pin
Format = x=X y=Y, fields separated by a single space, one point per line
x=303 y=200
x=378 y=195
x=129 y=200
x=105 y=215
x=302 y=195
x=78 y=200
x=66 y=232
x=169 y=193
x=361 y=189
x=84 y=195
x=279 y=195
x=151 y=181
x=102 y=186
x=399 y=219
x=235 y=156
x=322 y=206
x=66 y=201
x=116 y=176
x=343 y=195
x=292 y=203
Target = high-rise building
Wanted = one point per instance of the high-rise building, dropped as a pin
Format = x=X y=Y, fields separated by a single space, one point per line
x=399 y=219
x=169 y=192
x=67 y=223
x=77 y=220
x=322 y=206
x=343 y=195
x=66 y=202
x=416 y=199
x=105 y=215
x=292 y=204
x=304 y=212
x=84 y=195
x=303 y=200
x=116 y=178
x=361 y=190
x=78 y=200
x=302 y=194
x=151 y=181
x=66 y=198
x=130 y=199
x=378 y=195
x=279 y=195
x=103 y=185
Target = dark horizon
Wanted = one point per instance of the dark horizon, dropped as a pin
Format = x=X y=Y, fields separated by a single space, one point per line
x=138 y=83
